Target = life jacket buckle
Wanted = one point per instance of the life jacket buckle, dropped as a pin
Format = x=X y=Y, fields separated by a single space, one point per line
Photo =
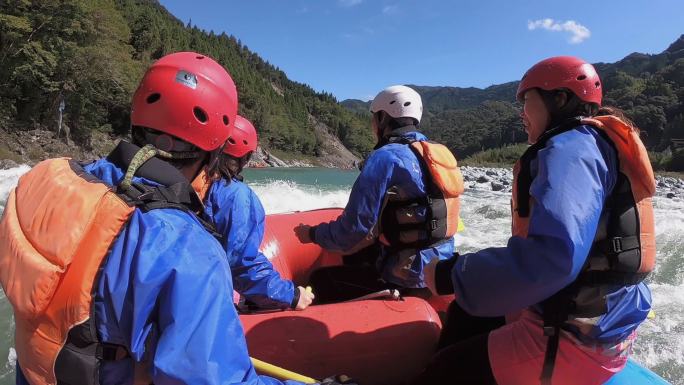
x=433 y=225
x=617 y=244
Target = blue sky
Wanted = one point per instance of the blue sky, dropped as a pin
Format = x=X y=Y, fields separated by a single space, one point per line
x=354 y=48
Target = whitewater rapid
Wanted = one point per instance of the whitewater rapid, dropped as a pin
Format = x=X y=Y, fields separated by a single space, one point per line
x=660 y=345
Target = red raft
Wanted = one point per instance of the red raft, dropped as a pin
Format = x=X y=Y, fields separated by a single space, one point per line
x=375 y=341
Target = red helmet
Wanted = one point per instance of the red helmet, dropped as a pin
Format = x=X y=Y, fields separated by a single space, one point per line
x=567 y=72
x=242 y=140
x=188 y=96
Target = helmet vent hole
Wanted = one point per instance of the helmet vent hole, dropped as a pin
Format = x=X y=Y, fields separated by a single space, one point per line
x=231 y=140
x=153 y=98
x=200 y=57
x=244 y=142
x=598 y=84
x=226 y=121
x=393 y=101
x=200 y=115
x=581 y=77
x=407 y=104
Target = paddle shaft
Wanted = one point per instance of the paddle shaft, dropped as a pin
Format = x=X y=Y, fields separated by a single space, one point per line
x=280 y=373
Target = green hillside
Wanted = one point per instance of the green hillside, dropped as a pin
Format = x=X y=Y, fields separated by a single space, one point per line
x=91 y=54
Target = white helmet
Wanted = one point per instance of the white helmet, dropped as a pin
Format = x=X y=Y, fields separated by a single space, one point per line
x=398 y=102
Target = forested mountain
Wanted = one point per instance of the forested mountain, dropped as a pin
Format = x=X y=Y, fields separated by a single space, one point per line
x=650 y=88
x=91 y=54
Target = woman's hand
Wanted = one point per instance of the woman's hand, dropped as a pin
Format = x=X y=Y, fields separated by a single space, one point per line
x=306 y=297
x=303 y=233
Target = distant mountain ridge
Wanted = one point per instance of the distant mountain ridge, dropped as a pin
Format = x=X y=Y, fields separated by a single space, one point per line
x=649 y=87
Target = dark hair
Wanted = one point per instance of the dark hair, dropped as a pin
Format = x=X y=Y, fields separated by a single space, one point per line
x=572 y=108
x=230 y=167
x=618 y=113
x=388 y=123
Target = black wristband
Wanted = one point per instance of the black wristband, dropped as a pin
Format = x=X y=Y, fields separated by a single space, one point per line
x=295 y=297
x=443 y=282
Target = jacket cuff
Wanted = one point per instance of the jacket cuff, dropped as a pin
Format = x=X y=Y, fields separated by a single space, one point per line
x=312 y=233
x=295 y=297
x=443 y=281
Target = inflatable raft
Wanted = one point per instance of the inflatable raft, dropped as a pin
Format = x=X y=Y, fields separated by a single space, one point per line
x=375 y=341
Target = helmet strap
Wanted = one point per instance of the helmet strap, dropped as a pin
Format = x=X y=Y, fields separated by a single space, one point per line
x=146 y=153
x=179 y=149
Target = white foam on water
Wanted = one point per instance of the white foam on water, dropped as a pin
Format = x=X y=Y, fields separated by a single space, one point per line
x=12 y=357
x=281 y=196
x=8 y=179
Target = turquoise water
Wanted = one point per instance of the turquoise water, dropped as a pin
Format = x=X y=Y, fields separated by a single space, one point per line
x=323 y=179
x=660 y=345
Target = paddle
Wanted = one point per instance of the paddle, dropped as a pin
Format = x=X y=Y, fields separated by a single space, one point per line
x=279 y=373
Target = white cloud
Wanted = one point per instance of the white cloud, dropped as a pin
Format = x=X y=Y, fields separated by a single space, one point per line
x=349 y=3
x=389 y=9
x=578 y=32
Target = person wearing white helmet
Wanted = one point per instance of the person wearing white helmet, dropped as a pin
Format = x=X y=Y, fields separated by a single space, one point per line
x=398 y=102
x=402 y=211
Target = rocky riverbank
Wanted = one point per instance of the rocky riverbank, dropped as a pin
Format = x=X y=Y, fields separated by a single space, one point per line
x=501 y=179
x=32 y=146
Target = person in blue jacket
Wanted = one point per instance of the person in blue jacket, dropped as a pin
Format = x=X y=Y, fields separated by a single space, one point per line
x=570 y=279
x=162 y=309
x=238 y=215
x=392 y=171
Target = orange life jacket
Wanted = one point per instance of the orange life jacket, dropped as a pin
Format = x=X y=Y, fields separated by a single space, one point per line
x=631 y=253
x=401 y=224
x=55 y=232
x=623 y=252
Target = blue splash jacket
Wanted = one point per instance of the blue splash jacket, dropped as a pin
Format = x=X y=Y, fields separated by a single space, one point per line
x=165 y=293
x=238 y=215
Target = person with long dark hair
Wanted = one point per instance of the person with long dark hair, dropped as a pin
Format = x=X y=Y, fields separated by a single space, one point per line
x=570 y=280
x=236 y=212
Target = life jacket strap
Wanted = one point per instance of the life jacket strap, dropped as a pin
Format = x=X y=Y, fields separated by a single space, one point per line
x=616 y=278
x=617 y=245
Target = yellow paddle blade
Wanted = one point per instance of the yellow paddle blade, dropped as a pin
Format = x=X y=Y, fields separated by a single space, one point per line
x=278 y=372
x=461 y=226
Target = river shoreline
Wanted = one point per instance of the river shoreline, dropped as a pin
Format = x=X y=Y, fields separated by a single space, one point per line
x=33 y=146
x=29 y=147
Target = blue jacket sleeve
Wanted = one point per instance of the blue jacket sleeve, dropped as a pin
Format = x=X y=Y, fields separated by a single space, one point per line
x=572 y=181
x=358 y=221
x=169 y=289
x=239 y=217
